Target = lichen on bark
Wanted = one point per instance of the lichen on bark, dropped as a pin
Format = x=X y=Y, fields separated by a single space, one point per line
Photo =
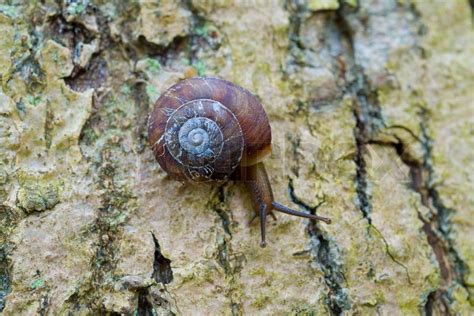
x=370 y=104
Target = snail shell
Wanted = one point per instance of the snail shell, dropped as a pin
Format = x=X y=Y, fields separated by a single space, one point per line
x=202 y=129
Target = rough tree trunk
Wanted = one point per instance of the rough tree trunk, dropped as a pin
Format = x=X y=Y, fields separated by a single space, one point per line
x=371 y=106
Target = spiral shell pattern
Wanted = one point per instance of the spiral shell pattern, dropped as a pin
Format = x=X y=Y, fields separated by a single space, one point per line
x=201 y=129
x=206 y=138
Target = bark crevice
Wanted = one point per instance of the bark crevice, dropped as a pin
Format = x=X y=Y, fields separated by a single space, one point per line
x=369 y=122
x=327 y=256
x=162 y=272
x=8 y=221
x=111 y=216
x=229 y=261
x=437 y=225
x=144 y=306
x=5 y=281
x=438 y=228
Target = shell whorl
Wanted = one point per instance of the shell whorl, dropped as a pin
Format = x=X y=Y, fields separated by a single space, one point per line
x=205 y=138
x=201 y=129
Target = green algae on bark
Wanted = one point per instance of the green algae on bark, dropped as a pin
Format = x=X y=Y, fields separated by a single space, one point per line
x=37 y=197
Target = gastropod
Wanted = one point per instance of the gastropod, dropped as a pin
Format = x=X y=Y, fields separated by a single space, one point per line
x=207 y=129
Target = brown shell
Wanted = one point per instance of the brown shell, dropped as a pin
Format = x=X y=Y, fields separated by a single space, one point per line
x=245 y=107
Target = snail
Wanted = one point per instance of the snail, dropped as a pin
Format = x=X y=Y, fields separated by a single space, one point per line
x=208 y=129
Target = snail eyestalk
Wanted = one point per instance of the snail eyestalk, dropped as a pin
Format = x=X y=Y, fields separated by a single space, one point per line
x=281 y=208
x=256 y=179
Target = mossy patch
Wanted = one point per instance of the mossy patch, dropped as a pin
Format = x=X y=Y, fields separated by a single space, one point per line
x=261 y=301
x=153 y=65
x=317 y=5
x=303 y=309
x=37 y=196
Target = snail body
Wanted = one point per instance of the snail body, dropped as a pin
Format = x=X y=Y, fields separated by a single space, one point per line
x=208 y=129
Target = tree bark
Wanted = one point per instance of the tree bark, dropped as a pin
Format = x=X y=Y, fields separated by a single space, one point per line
x=371 y=108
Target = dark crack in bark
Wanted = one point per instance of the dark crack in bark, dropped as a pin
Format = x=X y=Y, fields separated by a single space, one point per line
x=117 y=201
x=330 y=48
x=437 y=225
x=8 y=221
x=74 y=35
x=221 y=210
x=363 y=195
x=321 y=53
x=230 y=262
x=368 y=119
x=48 y=125
x=162 y=272
x=144 y=307
x=43 y=305
x=299 y=12
x=151 y=302
x=390 y=254
x=327 y=256
x=92 y=77
x=26 y=65
x=438 y=229
x=219 y=204
x=115 y=206
x=67 y=33
x=223 y=256
x=366 y=111
x=5 y=281
x=369 y=122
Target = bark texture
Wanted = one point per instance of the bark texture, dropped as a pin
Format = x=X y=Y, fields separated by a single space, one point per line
x=371 y=106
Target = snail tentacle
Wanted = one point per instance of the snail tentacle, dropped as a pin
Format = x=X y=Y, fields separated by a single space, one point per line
x=281 y=208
